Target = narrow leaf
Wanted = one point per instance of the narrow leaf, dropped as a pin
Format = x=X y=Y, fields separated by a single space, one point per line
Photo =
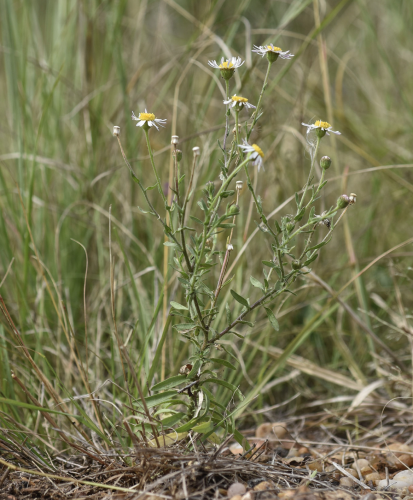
x=272 y=318
x=169 y=383
x=240 y=299
x=223 y=362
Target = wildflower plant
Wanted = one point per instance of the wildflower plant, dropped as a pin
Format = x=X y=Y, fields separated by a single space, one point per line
x=186 y=401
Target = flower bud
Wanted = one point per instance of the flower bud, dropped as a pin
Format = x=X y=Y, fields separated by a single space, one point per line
x=290 y=226
x=239 y=185
x=233 y=210
x=178 y=154
x=230 y=247
x=352 y=198
x=325 y=162
x=296 y=264
x=343 y=201
x=116 y=131
x=196 y=151
x=175 y=139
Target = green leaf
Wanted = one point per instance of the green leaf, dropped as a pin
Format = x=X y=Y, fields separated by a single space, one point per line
x=228 y=225
x=196 y=219
x=171 y=244
x=158 y=399
x=194 y=372
x=223 y=362
x=318 y=246
x=300 y=214
x=145 y=211
x=268 y=263
x=151 y=187
x=225 y=384
x=256 y=283
x=173 y=419
x=189 y=425
x=272 y=318
x=242 y=440
x=169 y=383
x=175 y=305
x=184 y=326
x=204 y=427
x=240 y=299
x=225 y=194
x=311 y=259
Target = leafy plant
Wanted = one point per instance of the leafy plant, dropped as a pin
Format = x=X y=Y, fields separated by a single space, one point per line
x=201 y=239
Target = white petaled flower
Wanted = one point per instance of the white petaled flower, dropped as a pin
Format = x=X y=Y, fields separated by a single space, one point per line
x=237 y=100
x=233 y=63
x=148 y=120
x=272 y=52
x=257 y=154
x=321 y=128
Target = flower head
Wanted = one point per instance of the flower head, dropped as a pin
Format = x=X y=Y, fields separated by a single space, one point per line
x=239 y=102
x=227 y=67
x=321 y=128
x=272 y=53
x=147 y=120
x=257 y=154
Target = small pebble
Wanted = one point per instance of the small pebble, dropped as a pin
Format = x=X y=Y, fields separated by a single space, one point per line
x=401 y=480
x=303 y=450
x=405 y=461
x=248 y=496
x=271 y=430
x=347 y=482
x=361 y=463
x=236 y=489
x=353 y=472
x=236 y=449
x=399 y=448
x=264 y=486
x=374 y=476
x=236 y=497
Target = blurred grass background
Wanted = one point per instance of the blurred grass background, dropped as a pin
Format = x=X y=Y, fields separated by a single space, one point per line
x=70 y=70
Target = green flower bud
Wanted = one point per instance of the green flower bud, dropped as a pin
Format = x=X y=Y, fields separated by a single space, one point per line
x=233 y=210
x=343 y=201
x=296 y=265
x=325 y=162
x=290 y=226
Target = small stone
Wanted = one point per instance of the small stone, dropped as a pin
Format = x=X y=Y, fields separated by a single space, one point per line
x=303 y=450
x=236 y=489
x=405 y=462
x=353 y=472
x=271 y=430
x=236 y=497
x=236 y=449
x=374 y=476
x=410 y=488
x=361 y=463
x=401 y=480
x=399 y=448
x=316 y=465
x=347 y=482
x=366 y=470
x=264 y=486
x=248 y=496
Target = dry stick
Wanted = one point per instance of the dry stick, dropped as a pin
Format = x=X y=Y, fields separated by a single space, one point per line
x=112 y=303
x=54 y=424
x=138 y=385
x=7 y=272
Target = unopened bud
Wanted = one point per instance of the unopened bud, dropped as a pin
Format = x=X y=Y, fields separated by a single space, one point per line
x=239 y=185
x=116 y=131
x=325 y=162
x=175 y=139
x=178 y=154
x=296 y=264
x=352 y=198
x=233 y=210
x=343 y=201
x=230 y=247
x=196 y=151
x=290 y=226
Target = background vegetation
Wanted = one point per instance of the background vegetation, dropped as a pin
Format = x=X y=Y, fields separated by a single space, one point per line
x=70 y=70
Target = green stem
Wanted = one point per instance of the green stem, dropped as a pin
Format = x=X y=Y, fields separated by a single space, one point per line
x=158 y=180
x=255 y=115
x=226 y=119
x=310 y=174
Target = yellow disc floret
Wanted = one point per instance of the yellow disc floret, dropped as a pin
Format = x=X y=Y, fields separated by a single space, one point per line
x=149 y=117
x=238 y=98
x=274 y=49
x=258 y=150
x=321 y=124
x=226 y=65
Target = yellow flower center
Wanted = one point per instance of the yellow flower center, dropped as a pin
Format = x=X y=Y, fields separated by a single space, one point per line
x=275 y=49
x=258 y=150
x=150 y=117
x=226 y=65
x=238 y=98
x=321 y=124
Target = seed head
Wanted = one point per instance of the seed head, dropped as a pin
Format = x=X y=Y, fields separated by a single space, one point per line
x=196 y=151
x=175 y=139
x=343 y=201
x=352 y=198
x=239 y=185
x=325 y=162
x=116 y=131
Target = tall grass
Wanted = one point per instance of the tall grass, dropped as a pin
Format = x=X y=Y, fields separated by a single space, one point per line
x=70 y=71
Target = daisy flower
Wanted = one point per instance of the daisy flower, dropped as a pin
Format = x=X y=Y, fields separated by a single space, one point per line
x=272 y=52
x=227 y=67
x=257 y=154
x=240 y=102
x=147 y=120
x=321 y=128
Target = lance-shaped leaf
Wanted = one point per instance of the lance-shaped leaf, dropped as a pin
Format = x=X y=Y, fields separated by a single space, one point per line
x=240 y=299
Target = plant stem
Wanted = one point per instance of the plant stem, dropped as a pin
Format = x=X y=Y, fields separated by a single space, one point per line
x=310 y=174
x=255 y=115
x=158 y=180
x=226 y=120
